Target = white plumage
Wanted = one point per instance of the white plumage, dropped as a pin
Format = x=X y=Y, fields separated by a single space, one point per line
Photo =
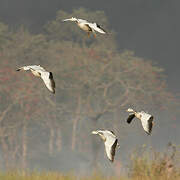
x=110 y=142
x=146 y=119
x=87 y=26
x=46 y=76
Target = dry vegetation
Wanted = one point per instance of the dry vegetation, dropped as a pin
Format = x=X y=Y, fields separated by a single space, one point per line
x=144 y=165
x=156 y=165
x=58 y=176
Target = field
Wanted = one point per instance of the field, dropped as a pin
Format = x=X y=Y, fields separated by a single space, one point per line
x=143 y=166
x=58 y=176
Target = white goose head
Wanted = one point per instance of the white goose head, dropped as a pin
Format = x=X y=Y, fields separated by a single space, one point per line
x=130 y=110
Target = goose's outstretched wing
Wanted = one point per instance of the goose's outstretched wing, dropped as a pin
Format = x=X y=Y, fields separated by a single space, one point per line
x=130 y=118
x=83 y=21
x=113 y=149
x=110 y=145
x=48 y=79
x=147 y=122
x=31 y=67
x=97 y=28
x=76 y=20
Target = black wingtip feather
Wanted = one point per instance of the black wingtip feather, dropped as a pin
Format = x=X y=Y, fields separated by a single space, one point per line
x=112 y=132
x=130 y=118
x=150 y=124
x=50 y=75
x=113 y=150
x=101 y=28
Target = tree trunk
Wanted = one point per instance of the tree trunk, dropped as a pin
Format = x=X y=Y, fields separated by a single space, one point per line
x=58 y=139
x=13 y=147
x=75 y=123
x=9 y=149
x=5 y=153
x=24 y=145
x=51 y=141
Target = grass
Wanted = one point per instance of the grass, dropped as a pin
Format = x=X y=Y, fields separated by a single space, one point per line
x=155 y=165
x=51 y=176
x=144 y=165
x=58 y=176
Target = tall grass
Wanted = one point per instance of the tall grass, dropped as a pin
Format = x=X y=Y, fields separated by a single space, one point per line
x=53 y=176
x=59 y=176
x=155 y=165
x=144 y=165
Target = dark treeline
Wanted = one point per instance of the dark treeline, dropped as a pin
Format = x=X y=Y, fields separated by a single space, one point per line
x=95 y=84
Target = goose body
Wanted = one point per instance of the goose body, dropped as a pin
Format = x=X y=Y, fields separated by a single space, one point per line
x=87 y=26
x=146 y=119
x=110 y=142
x=39 y=71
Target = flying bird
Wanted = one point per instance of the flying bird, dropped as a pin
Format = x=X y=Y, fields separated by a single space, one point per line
x=110 y=142
x=87 y=26
x=146 y=119
x=39 y=71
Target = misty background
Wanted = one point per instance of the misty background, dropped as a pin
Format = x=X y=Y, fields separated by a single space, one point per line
x=151 y=29
x=148 y=28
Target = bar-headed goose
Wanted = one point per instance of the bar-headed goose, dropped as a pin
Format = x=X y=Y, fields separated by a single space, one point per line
x=87 y=26
x=146 y=119
x=46 y=76
x=110 y=142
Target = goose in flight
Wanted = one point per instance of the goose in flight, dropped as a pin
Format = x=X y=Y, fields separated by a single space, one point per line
x=46 y=76
x=87 y=26
x=110 y=142
x=146 y=119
